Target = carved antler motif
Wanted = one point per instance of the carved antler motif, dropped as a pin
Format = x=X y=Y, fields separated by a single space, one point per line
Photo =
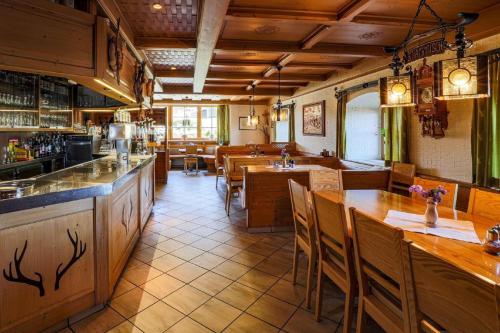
x=126 y=223
x=123 y=220
x=21 y=278
x=78 y=252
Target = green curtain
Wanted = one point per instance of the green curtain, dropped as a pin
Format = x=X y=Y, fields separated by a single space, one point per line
x=223 y=121
x=486 y=132
x=395 y=134
x=341 y=116
x=291 y=123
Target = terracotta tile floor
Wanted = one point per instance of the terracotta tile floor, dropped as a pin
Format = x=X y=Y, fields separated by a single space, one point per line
x=196 y=270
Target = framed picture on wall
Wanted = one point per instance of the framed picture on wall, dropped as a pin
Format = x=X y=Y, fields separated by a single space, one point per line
x=244 y=126
x=313 y=119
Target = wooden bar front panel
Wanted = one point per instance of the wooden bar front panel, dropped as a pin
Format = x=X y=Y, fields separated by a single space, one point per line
x=123 y=227
x=47 y=261
x=147 y=190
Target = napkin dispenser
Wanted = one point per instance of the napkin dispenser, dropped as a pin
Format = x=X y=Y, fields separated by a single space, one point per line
x=492 y=241
x=122 y=134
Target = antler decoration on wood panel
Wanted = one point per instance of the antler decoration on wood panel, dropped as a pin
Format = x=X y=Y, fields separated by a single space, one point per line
x=21 y=278
x=78 y=251
x=126 y=223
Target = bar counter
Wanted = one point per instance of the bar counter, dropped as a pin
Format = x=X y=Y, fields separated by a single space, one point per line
x=64 y=246
x=95 y=178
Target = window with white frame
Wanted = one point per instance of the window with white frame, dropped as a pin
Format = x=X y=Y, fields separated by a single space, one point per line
x=193 y=122
x=363 y=129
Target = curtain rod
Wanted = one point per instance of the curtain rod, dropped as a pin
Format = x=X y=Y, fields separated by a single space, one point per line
x=340 y=92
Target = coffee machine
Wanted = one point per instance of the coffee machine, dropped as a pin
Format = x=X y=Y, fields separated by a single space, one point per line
x=121 y=134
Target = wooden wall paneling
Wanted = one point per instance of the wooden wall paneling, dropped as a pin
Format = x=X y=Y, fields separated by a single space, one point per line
x=49 y=282
x=43 y=37
x=365 y=179
x=123 y=227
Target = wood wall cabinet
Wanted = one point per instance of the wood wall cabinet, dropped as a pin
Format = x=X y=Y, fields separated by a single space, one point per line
x=123 y=227
x=48 y=261
x=40 y=36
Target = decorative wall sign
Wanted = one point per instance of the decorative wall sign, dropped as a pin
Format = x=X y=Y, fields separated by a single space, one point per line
x=245 y=126
x=425 y=50
x=19 y=277
x=313 y=119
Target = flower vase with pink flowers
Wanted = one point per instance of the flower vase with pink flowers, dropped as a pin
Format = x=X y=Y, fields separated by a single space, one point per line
x=434 y=197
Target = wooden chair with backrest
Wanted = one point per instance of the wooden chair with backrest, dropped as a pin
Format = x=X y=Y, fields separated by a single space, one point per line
x=304 y=233
x=335 y=254
x=484 y=203
x=379 y=267
x=401 y=177
x=449 y=200
x=191 y=158
x=325 y=180
x=444 y=297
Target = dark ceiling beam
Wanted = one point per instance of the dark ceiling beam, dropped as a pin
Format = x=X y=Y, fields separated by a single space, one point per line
x=210 y=26
x=290 y=47
x=327 y=18
x=319 y=33
x=229 y=91
x=240 y=76
x=228 y=83
x=169 y=101
x=261 y=63
x=146 y=43
x=354 y=8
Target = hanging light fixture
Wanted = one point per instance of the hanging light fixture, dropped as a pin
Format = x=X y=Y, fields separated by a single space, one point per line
x=280 y=113
x=454 y=79
x=396 y=90
x=253 y=119
x=463 y=77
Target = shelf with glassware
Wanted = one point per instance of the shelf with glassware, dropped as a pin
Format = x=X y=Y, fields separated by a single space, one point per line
x=30 y=102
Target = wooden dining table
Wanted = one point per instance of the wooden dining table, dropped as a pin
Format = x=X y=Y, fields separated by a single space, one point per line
x=469 y=256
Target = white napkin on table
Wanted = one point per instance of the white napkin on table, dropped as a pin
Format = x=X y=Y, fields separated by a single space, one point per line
x=447 y=228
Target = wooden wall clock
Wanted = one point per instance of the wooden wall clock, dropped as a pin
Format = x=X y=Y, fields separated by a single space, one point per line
x=432 y=113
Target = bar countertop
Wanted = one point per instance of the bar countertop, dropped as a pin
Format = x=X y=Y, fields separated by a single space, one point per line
x=95 y=178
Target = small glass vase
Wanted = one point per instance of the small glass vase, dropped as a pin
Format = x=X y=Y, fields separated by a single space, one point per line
x=431 y=214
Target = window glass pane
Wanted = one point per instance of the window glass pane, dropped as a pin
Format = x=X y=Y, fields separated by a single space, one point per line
x=363 y=123
x=177 y=132
x=191 y=132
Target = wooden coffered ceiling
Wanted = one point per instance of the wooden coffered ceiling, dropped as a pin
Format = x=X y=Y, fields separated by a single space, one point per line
x=219 y=48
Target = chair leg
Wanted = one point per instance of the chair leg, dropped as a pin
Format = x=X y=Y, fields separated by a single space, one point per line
x=319 y=294
x=216 y=178
x=361 y=321
x=229 y=200
x=348 y=310
x=296 y=251
x=310 y=273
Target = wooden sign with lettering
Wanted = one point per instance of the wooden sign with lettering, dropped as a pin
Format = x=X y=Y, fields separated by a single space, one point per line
x=425 y=50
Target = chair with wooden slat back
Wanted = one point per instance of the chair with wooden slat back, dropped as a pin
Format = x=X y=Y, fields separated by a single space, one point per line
x=335 y=254
x=233 y=182
x=304 y=233
x=325 y=180
x=401 y=177
x=379 y=267
x=484 y=203
x=449 y=199
x=442 y=296
x=191 y=157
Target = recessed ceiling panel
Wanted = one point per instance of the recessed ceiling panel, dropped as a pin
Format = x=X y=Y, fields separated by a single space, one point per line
x=316 y=5
x=365 y=34
x=269 y=30
x=172 y=58
x=173 y=18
